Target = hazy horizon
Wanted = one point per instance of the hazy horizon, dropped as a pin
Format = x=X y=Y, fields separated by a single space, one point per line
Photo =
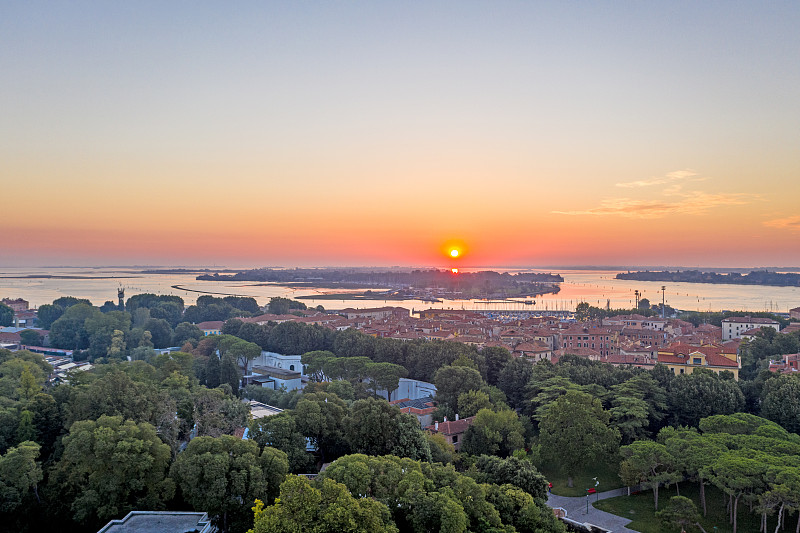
x=212 y=267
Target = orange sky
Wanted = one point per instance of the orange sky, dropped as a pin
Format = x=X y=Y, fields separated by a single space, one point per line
x=376 y=135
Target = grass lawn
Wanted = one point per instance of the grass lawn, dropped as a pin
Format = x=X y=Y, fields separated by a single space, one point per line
x=607 y=475
x=639 y=508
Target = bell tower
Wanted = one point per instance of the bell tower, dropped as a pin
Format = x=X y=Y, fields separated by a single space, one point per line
x=121 y=296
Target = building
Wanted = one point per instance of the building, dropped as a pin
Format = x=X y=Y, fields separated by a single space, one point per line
x=160 y=522
x=794 y=313
x=375 y=313
x=734 y=327
x=286 y=362
x=684 y=359
x=604 y=340
x=18 y=305
x=422 y=408
x=212 y=327
x=412 y=389
x=452 y=431
x=274 y=378
x=787 y=364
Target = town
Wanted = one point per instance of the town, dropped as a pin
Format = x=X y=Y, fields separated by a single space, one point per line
x=485 y=386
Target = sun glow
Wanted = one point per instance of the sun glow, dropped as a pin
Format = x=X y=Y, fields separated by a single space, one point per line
x=454 y=270
x=454 y=252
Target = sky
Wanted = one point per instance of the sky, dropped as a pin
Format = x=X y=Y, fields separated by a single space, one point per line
x=385 y=133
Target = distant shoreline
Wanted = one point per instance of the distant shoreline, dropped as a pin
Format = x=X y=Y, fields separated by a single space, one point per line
x=756 y=277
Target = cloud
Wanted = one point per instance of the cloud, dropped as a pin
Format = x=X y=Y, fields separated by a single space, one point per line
x=791 y=223
x=671 y=177
x=670 y=199
x=691 y=203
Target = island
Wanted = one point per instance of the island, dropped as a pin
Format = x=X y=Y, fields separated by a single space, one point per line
x=427 y=285
x=755 y=277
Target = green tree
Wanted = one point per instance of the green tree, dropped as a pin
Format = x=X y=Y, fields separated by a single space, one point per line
x=494 y=433
x=441 y=450
x=735 y=474
x=320 y=417
x=497 y=358
x=213 y=369
x=385 y=376
x=470 y=402
x=303 y=508
x=186 y=332
x=629 y=416
x=229 y=373
x=217 y=412
x=314 y=363
x=110 y=467
x=700 y=394
x=26 y=430
x=784 y=491
x=693 y=453
x=451 y=381
x=243 y=352
x=48 y=422
x=280 y=432
x=6 y=315
x=512 y=380
x=574 y=433
x=20 y=475
x=374 y=427
x=648 y=463
x=29 y=386
x=282 y=306
x=781 y=401
x=47 y=314
x=679 y=514
x=30 y=337
x=511 y=470
x=117 y=348
x=68 y=331
x=161 y=332
x=222 y=475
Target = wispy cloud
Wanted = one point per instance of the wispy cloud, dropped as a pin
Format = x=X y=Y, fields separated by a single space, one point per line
x=791 y=223
x=694 y=203
x=669 y=178
x=669 y=199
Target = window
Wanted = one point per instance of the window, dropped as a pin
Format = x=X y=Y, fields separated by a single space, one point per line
x=696 y=361
x=291 y=367
x=455 y=439
x=681 y=371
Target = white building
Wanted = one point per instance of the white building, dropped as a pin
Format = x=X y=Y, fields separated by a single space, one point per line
x=410 y=389
x=734 y=327
x=285 y=362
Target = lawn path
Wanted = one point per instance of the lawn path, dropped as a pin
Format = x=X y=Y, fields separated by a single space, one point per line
x=576 y=510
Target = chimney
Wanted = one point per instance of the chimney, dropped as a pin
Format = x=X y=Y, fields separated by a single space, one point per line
x=456 y=416
x=445 y=419
x=436 y=426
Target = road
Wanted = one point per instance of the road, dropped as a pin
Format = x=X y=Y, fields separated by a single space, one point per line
x=576 y=510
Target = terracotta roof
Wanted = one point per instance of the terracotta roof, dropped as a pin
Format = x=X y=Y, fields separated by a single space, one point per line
x=452 y=427
x=211 y=324
x=749 y=320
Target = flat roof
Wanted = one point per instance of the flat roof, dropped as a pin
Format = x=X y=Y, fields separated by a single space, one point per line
x=260 y=410
x=159 y=522
x=275 y=372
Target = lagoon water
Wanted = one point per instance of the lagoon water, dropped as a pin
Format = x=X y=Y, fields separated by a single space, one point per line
x=593 y=286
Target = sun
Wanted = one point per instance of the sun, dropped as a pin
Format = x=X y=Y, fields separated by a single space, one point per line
x=454 y=252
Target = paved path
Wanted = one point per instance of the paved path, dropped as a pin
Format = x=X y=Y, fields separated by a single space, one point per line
x=576 y=510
